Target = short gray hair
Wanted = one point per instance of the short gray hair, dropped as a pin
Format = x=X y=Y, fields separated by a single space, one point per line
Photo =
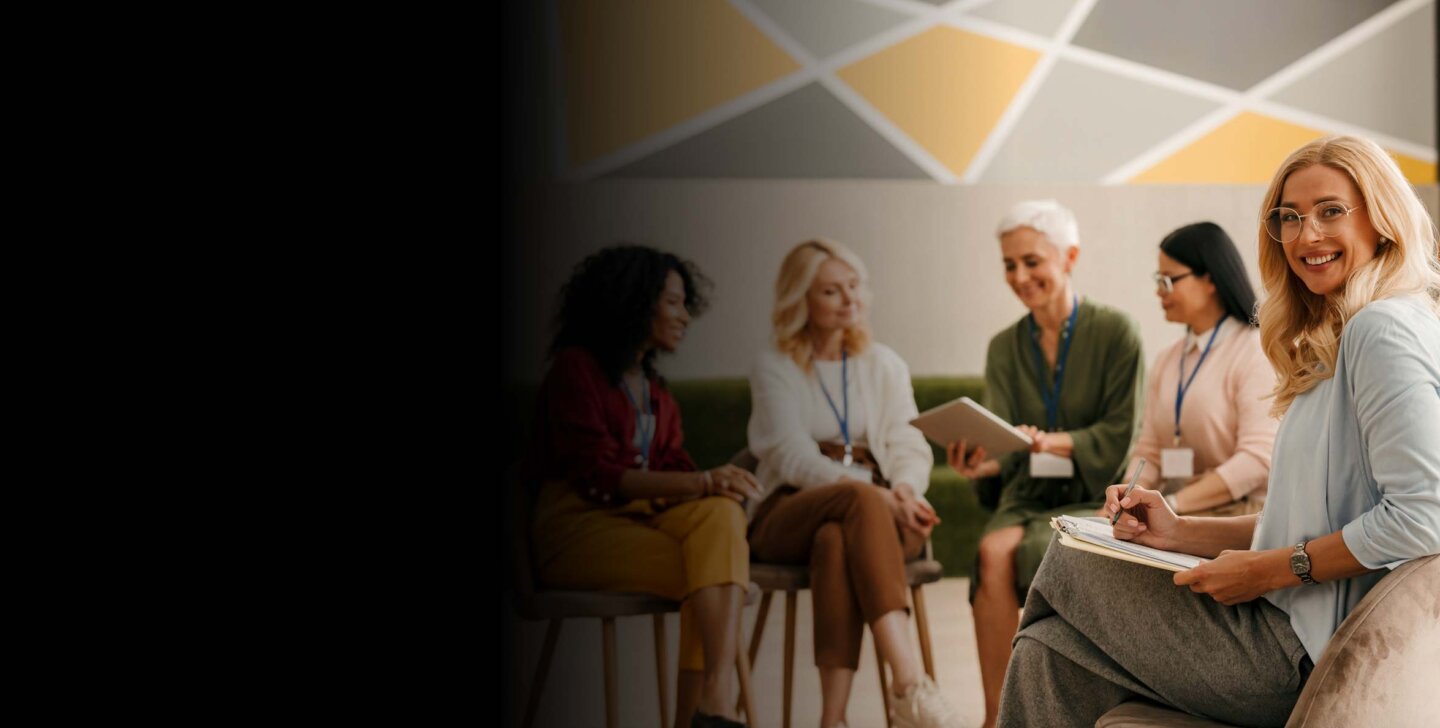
x=1047 y=217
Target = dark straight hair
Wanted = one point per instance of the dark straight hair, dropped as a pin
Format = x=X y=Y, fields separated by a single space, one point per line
x=1207 y=250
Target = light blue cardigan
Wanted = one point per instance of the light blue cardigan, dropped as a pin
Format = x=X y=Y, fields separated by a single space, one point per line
x=1360 y=453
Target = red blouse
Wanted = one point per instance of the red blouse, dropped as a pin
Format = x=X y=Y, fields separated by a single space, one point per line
x=585 y=429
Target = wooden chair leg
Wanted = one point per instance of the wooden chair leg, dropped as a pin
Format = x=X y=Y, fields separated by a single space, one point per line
x=922 y=625
x=742 y=669
x=789 y=653
x=755 y=637
x=612 y=698
x=537 y=683
x=660 y=672
x=884 y=679
x=760 y=618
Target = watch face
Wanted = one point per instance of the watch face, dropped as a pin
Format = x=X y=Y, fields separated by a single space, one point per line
x=1299 y=563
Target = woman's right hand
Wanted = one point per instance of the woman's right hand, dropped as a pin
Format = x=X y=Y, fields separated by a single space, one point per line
x=975 y=466
x=1145 y=517
x=910 y=512
x=729 y=481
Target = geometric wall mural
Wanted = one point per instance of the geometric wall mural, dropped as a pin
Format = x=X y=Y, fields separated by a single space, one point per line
x=953 y=86
x=1247 y=147
x=633 y=69
x=988 y=91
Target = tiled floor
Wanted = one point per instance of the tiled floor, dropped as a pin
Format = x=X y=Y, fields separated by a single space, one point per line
x=574 y=692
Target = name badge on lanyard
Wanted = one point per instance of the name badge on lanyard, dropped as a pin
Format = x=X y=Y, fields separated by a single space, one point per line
x=1179 y=462
x=844 y=419
x=1044 y=464
x=644 y=424
x=1050 y=465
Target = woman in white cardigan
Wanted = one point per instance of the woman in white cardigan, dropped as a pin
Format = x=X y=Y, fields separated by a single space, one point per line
x=846 y=476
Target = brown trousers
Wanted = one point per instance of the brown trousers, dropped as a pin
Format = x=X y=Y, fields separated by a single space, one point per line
x=848 y=537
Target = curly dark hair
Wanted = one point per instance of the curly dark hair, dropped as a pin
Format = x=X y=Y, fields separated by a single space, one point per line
x=608 y=305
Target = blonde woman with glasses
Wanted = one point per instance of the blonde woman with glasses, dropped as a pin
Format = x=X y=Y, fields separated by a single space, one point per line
x=847 y=475
x=1352 y=327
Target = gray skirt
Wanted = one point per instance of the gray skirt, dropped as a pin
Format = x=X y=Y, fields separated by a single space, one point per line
x=1098 y=631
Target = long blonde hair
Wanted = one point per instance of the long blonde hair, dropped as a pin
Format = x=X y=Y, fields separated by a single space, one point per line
x=1300 y=330
x=791 y=317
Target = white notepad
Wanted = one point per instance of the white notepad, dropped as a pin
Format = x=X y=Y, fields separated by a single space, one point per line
x=1098 y=537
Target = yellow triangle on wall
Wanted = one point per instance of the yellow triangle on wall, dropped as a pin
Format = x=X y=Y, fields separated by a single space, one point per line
x=1247 y=150
x=635 y=68
x=945 y=88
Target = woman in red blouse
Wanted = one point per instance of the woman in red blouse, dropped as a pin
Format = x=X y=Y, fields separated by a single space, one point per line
x=622 y=506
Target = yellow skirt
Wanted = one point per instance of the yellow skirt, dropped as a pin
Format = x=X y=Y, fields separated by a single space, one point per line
x=636 y=547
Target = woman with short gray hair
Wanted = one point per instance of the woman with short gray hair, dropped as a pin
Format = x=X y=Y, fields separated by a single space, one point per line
x=1068 y=374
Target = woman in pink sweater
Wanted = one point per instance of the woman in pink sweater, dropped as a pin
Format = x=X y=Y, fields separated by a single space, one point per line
x=1207 y=432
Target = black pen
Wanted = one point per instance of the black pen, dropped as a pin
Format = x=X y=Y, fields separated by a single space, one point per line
x=1116 y=518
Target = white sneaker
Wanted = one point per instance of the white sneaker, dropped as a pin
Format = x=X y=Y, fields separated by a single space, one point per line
x=923 y=707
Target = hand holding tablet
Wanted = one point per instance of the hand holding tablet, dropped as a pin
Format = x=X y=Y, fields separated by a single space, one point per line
x=964 y=419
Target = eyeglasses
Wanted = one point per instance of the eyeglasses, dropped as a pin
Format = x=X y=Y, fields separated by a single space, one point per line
x=1284 y=224
x=1168 y=282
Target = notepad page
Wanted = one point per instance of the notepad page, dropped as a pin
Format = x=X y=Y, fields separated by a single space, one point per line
x=1099 y=531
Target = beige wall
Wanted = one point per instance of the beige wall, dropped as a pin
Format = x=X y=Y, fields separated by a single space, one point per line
x=935 y=265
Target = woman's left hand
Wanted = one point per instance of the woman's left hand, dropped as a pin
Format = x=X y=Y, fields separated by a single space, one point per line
x=1034 y=433
x=911 y=512
x=1055 y=443
x=1235 y=577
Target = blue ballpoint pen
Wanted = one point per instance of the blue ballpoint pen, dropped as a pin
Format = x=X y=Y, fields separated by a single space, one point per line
x=1116 y=518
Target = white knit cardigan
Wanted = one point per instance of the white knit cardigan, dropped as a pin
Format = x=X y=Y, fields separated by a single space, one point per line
x=782 y=409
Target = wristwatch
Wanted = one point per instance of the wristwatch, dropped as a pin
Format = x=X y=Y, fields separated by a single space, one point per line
x=1300 y=564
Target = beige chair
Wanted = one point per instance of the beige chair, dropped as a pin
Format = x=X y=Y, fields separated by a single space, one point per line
x=1381 y=668
x=790 y=579
x=558 y=605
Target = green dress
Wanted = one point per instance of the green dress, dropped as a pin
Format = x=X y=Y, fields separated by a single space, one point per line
x=1100 y=406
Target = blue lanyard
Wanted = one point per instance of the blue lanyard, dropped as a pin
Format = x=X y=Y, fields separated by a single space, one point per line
x=1183 y=385
x=1051 y=395
x=644 y=427
x=844 y=420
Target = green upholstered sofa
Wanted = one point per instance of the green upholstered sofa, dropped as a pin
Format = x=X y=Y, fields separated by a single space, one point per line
x=715 y=414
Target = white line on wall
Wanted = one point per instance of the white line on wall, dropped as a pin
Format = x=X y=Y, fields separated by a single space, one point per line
x=1150 y=74
x=914 y=7
x=1179 y=140
x=852 y=99
x=811 y=71
x=1333 y=126
x=690 y=127
x=1016 y=109
x=925 y=17
x=1254 y=99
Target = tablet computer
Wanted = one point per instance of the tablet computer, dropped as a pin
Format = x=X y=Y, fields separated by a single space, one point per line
x=965 y=419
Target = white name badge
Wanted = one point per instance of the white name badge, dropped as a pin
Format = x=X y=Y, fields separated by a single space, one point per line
x=1177 y=462
x=860 y=472
x=1046 y=465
